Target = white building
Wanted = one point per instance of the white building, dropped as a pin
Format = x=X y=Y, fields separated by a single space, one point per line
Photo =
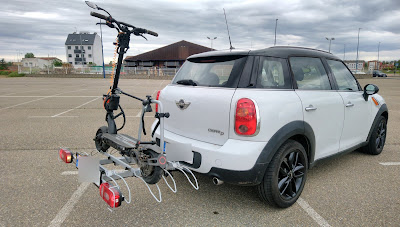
x=351 y=64
x=38 y=62
x=83 y=49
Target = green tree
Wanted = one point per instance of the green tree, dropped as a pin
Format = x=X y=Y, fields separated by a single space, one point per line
x=3 y=64
x=57 y=63
x=29 y=55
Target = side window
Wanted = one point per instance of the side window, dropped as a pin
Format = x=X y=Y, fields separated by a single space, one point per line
x=309 y=73
x=272 y=74
x=344 y=79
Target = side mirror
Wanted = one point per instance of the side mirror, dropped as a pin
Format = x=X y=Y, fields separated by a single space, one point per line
x=91 y=5
x=370 y=89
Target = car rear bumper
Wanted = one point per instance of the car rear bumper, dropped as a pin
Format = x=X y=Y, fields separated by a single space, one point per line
x=234 y=162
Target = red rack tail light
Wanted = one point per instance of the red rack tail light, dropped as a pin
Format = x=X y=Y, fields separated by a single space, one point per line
x=111 y=195
x=65 y=155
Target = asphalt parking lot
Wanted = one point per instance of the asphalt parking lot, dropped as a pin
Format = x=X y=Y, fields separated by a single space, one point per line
x=38 y=115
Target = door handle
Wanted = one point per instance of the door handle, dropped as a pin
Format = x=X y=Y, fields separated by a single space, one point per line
x=349 y=104
x=310 y=108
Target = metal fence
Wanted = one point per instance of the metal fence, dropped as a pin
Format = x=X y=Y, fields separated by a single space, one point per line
x=140 y=71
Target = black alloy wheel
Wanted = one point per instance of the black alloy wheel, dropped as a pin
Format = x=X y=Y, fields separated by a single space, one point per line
x=285 y=176
x=381 y=135
x=378 y=138
x=291 y=175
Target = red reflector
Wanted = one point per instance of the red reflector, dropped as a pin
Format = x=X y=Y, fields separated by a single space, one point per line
x=245 y=117
x=111 y=195
x=157 y=98
x=65 y=155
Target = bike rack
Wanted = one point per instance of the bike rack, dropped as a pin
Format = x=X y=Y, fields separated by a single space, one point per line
x=112 y=176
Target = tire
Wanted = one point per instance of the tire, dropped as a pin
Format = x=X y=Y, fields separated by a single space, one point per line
x=378 y=137
x=100 y=145
x=151 y=174
x=288 y=167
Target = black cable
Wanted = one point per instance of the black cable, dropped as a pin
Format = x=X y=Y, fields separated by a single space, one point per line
x=123 y=115
x=155 y=128
x=144 y=129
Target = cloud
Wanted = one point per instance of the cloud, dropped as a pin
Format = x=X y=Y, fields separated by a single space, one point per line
x=42 y=28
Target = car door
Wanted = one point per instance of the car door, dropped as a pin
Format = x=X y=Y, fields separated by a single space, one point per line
x=357 y=112
x=322 y=107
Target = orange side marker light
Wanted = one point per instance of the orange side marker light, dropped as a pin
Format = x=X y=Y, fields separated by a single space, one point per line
x=375 y=101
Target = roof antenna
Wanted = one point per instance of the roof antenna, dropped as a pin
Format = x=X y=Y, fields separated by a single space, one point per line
x=227 y=28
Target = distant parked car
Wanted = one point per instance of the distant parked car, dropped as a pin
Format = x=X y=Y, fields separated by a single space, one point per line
x=377 y=73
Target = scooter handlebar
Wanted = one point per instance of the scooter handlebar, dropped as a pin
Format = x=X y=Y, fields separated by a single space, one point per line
x=136 y=30
x=98 y=15
x=144 y=31
x=152 y=33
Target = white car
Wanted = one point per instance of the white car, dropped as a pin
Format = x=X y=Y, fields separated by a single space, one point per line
x=265 y=117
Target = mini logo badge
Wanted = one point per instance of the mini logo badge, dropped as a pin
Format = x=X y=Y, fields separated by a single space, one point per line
x=181 y=104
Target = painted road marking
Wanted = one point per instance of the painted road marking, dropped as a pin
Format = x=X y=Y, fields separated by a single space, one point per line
x=67 y=208
x=390 y=163
x=312 y=213
x=66 y=173
x=51 y=116
x=45 y=97
x=7 y=95
x=75 y=107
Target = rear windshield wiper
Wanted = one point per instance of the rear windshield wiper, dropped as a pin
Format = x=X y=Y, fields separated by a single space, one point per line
x=187 y=82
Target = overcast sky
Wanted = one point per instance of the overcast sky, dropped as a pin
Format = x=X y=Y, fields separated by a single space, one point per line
x=41 y=27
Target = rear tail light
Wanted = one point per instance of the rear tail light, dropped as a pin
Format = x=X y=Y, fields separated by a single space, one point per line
x=246 y=122
x=157 y=98
x=65 y=155
x=111 y=195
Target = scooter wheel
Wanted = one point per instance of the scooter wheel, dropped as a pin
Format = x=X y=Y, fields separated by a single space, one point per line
x=100 y=145
x=151 y=174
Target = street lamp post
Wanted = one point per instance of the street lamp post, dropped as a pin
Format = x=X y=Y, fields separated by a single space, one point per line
x=344 y=51
x=102 y=51
x=330 y=40
x=377 y=64
x=276 y=25
x=358 y=44
x=211 y=41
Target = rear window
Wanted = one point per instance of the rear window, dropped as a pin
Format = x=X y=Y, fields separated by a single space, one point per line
x=211 y=71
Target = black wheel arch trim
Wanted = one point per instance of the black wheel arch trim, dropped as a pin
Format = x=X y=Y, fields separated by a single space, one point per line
x=289 y=130
x=380 y=112
x=255 y=175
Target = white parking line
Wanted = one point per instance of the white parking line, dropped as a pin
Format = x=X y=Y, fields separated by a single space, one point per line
x=66 y=173
x=25 y=92
x=312 y=213
x=45 y=97
x=75 y=107
x=67 y=208
x=390 y=163
x=50 y=116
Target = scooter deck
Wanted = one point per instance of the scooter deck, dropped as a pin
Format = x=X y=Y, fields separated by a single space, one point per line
x=120 y=141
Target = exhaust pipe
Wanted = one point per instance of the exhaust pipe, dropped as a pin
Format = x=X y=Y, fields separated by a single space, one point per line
x=217 y=181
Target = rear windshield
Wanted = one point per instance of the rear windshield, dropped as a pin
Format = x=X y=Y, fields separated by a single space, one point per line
x=211 y=72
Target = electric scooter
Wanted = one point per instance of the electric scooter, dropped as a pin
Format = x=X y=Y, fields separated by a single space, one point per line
x=137 y=157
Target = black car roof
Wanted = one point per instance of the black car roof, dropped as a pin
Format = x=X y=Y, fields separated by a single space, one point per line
x=277 y=51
